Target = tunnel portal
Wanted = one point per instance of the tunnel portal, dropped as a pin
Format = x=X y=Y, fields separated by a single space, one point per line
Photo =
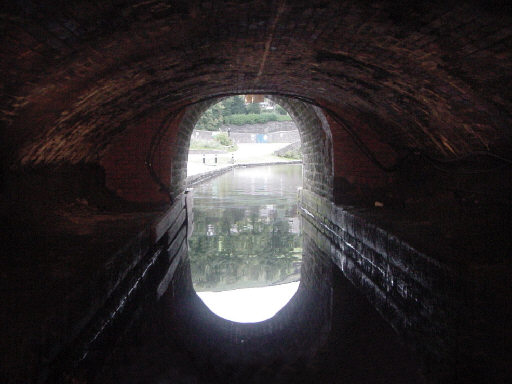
x=404 y=112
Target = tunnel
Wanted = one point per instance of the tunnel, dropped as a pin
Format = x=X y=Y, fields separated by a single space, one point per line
x=404 y=111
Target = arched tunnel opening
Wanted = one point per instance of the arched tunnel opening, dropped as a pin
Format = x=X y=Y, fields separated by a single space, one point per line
x=299 y=342
x=405 y=204
x=245 y=250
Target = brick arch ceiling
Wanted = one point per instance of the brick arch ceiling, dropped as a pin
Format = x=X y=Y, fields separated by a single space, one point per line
x=432 y=77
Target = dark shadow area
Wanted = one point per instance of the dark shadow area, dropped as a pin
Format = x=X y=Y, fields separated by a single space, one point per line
x=327 y=333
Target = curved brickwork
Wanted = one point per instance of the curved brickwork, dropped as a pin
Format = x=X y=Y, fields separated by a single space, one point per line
x=404 y=82
x=315 y=139
x=412 y=115
x=182 y=143
x=75 y=75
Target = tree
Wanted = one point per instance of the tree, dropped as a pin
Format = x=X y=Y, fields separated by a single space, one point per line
x=254 y=108
x=212 y=119
x=234 y=105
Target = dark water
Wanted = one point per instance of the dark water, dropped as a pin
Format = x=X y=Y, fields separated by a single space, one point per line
x=247 y=234
x=246 y=229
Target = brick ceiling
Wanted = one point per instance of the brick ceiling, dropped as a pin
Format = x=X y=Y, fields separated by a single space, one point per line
x=432 y=76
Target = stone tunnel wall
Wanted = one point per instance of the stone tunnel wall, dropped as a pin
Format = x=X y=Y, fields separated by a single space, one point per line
x=356 y=177
x=316 y=145
x=78 y=74
x=182 y=144
x=126 y=172
x=427 y=302
x=95 y=317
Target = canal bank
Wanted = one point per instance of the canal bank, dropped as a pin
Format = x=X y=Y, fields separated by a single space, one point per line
x=202 y=161
x=207 y=175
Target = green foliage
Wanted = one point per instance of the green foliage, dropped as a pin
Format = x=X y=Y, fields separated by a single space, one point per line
x=205 y=144
x=212 y=119
x=254 y=108
x=233 y=105
x=221 y=142
x=254 y=118
x=234 y=111
x=284 y=118
x=293 y=154
x=224 y=139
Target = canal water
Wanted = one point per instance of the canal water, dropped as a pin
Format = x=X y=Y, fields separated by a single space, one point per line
x=248 y=238
x=246 y=249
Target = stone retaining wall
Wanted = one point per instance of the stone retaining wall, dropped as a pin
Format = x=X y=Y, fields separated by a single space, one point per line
x=271 y=126
x=251 y=136
x=274 y=137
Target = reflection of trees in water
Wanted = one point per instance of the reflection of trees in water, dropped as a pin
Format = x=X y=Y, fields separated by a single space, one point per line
x=239 y=247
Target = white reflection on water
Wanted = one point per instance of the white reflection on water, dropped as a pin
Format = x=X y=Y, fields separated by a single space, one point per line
x=249 y=305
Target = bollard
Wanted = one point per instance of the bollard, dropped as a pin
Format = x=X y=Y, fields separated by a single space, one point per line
x=204 y=159
x=215 y=159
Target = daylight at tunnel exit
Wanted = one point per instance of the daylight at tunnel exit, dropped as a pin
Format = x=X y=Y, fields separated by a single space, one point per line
x=197 y=191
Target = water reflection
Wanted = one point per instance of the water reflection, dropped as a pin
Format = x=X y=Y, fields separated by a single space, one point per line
x=246 y=229
x=249 y=305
